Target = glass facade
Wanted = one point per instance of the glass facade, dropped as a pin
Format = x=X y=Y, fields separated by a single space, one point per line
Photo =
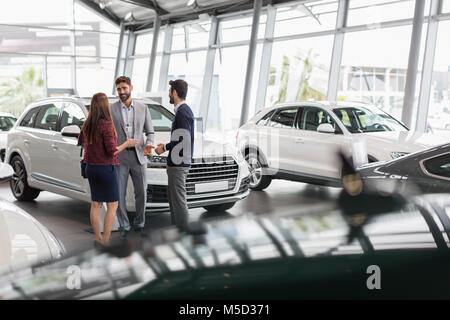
x=72 y=47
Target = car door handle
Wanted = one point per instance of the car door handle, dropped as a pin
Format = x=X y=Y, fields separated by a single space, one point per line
x=27 y=142
x=299 y=140
x=54 y=146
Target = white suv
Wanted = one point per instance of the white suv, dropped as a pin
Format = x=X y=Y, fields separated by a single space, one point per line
x=42 y=149
x=300 y=141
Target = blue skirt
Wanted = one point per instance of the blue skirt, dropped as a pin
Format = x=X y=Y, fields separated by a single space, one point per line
x=103 y=181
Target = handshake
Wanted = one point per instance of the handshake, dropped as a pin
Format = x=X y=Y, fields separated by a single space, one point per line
x=147 y=149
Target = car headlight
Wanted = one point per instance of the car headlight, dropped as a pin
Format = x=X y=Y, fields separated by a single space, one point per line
x=396 y=155
x=156 y=162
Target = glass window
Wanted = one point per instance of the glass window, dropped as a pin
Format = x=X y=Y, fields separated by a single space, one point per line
x=51 y=13
x=72 y=115
x=312 y=117
x=306 y=18
x=6 y=123
x=374 y=62
x=28 y=120
x=439 y=166
x=95 y=75
x=47 y=117
x=299 y=70
x=97 y=44
x=367 y=12
x=265 y=120
x=161 y=118
x=284 y=118
x=439 y=106
x=240 y=29
x=190 y=67
x=197 y=36
x=144 y=42
x=34 y=40
x=367 y=119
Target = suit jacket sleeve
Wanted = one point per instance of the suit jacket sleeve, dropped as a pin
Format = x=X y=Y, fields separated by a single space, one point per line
x=148 y=128
x=181 y=122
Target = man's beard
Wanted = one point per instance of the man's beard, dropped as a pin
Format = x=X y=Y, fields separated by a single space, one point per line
x=124 y=97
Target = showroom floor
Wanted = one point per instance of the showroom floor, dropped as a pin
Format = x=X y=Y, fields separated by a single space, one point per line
x=69 y=219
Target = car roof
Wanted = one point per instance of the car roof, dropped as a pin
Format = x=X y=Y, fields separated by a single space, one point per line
x=87 y=100
x=5 y=114
x=327 y=105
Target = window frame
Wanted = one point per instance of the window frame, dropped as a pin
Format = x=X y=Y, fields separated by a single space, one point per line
x=337 y=127
x=34 y=120
x=65 y=105
x=47 y=103
x=433 y=175
x=280 y=109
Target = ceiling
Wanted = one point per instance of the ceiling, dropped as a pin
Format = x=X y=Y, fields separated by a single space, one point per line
x=139 y=14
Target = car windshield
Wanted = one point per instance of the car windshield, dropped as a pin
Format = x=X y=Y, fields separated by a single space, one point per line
x=161 y=117
x=6 y=123
x=363 y=119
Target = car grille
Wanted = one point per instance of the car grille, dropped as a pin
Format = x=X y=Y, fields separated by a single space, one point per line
x=203 y=170
x=211 y=169
x=157 y=193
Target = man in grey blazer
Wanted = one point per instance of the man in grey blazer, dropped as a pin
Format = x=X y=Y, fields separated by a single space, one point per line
x=132 y=119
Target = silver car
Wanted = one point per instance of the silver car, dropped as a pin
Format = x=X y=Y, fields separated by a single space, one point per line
x=42 y=149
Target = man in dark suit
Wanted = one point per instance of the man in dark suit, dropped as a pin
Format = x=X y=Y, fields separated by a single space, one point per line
x=181 y=148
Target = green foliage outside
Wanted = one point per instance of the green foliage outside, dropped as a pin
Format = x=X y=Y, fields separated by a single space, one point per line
x=18 y=92
x=304 y=91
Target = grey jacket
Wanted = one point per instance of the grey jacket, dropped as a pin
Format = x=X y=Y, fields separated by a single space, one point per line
x=142 y=123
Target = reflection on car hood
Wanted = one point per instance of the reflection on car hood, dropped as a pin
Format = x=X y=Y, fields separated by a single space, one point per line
x=404 y=141
x=249 y=240
x=23 y=240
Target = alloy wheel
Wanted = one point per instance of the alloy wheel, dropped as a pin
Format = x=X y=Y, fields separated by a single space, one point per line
x=255 y=170
x=18 y=179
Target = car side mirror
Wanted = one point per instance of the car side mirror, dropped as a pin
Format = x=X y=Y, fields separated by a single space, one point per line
x=6 y=172
x=71 y=131
x=325 y=128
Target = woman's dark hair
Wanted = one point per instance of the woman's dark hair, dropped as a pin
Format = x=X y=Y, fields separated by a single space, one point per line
x=98 y=110
x=180 y=86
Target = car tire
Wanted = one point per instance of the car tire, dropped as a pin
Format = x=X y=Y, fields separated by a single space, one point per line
x=220 y=207
x=19 y=184
x=258 y=181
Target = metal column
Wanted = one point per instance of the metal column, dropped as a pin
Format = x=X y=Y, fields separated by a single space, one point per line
x=119 y=55
x=428 y=62
x=264 y=71
x=251 y=61
x=338 y=45
x=209 y=72
x=164 y=71
x=151 y=66
x=131 y=46
x=413 y=61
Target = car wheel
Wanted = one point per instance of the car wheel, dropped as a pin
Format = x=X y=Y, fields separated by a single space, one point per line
x=258 y=181
x=19 y=185
x=220 y=207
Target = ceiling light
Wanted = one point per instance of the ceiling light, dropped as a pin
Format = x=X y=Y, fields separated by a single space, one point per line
x=190 y=3
x=102 y=5
x=129 y=16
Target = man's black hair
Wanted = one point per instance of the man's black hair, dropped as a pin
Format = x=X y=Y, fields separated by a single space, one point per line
x=180 y=86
